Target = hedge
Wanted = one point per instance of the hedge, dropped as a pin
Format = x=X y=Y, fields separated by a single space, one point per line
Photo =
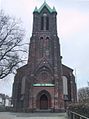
x=80 y=108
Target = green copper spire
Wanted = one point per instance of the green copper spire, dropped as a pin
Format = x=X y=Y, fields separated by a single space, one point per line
x=45 y=5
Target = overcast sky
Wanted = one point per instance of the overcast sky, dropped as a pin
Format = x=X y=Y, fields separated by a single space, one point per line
x=73 y=31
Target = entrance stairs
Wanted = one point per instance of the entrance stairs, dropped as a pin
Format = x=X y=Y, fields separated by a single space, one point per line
x=43 y=110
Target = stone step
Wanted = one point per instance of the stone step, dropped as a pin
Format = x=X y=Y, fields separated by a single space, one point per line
x=43 y=110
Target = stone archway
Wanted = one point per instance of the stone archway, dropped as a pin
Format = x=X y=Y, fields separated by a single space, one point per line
x=43 y=100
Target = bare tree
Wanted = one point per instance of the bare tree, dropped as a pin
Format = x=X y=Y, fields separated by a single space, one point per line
x=83 y=94
x=11 y=37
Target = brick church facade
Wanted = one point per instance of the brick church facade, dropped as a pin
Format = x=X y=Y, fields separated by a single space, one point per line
x=44 y=83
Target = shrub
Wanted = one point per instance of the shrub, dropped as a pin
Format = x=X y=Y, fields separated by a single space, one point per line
x=81 y=108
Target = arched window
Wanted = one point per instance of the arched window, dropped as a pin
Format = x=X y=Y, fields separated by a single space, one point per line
x=23 y=85
x=41 y=47
x=47 y=23
x=46 y=46
x=65 y=85
x=41 y=37
x=42 y=23
x=47 y=42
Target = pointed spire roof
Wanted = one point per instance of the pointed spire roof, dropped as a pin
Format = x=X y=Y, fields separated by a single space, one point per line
x=45 y=5
x=36 y=10
x=54 y=10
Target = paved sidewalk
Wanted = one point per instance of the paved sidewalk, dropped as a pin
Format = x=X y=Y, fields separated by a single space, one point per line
x=8 y=115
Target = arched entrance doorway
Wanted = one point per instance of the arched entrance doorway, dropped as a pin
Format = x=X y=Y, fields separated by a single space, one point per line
x=43 y=100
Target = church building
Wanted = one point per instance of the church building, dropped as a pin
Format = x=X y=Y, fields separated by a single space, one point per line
x=44 y=83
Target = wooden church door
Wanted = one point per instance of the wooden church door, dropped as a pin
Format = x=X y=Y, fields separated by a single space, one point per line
x=43 y=102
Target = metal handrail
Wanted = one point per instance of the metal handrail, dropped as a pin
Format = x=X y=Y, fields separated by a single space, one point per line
x=79 y=115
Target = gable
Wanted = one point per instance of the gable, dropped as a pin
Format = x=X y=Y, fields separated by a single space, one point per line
x=45 y=5
x=43 y=65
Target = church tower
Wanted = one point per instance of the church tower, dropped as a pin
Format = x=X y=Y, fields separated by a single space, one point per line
x=39 y=84
x=44 y=55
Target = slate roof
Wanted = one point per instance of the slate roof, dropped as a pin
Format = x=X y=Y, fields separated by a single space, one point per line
x=68 y=68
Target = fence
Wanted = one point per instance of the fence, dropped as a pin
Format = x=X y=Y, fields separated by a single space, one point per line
x=74 y=115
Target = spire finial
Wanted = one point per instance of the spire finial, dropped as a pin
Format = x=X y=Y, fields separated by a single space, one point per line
x=54 y=10
x=36 y=10
x=44 y=1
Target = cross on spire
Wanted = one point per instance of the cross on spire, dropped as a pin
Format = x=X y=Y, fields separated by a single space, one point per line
x=44 y=0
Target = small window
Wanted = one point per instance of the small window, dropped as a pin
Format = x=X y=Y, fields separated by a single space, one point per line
x=41 y=38
x=47 y=37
